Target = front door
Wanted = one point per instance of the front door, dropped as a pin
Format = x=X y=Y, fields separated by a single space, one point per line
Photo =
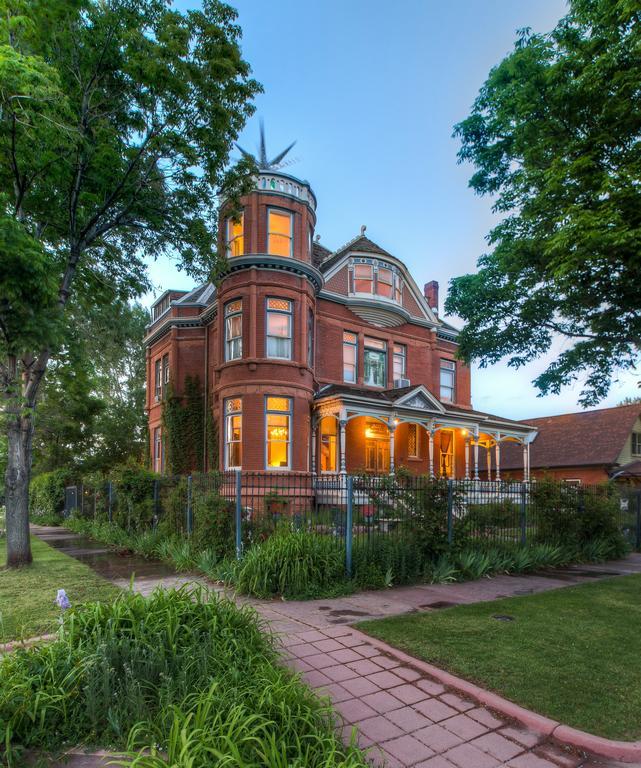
x=377 y=456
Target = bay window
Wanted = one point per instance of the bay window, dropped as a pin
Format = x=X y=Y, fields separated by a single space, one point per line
x=350 y=357
x=233 y=330
x=235 y=240
x=385 y=283
x=279 y=329
x=363 y=278
x=278 y=415
x=375 y=362
x=448 y=380
x=280 y=225
x=233 y=433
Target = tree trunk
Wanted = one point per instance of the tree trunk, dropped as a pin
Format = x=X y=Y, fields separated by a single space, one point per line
x=19 y=434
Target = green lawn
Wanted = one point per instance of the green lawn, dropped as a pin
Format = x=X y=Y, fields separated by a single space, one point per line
x=573 y=654
x=27 y=594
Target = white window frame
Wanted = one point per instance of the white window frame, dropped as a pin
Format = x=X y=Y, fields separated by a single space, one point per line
x=165 y=370
x=635 y=437
x=380 y=351
x=158 y=379
x=353 y=345
x=402 y=356
x=229 y=420
x=289 y=313
x=229 y=240
x=280 y=212
x=159 y=459
x=288 y=442
x=233 y=342
x=447 y=366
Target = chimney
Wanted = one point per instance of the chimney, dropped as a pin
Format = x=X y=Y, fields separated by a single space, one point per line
x=431 y=294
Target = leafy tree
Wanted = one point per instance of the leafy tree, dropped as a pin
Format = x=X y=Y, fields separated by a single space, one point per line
x=91 y=413
x=116 y=122
x=555 y=138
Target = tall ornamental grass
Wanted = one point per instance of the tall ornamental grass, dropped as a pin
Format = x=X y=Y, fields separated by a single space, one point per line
x=182 y=679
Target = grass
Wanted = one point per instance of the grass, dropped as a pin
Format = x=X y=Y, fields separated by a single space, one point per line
x=27 y=594
x=182 y=679
x=571 y=654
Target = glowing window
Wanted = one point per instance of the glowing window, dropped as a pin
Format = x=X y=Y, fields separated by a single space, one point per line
x=235 y=239
x=278 y=432
x=233 y=433
x=279 y=233
x=363 y=278
x=328 y=429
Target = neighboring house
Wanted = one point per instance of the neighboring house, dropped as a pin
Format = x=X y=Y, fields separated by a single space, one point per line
x=319 y=360
x=586 y=447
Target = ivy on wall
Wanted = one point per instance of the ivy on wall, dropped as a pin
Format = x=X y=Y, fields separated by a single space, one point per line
x=188 y=430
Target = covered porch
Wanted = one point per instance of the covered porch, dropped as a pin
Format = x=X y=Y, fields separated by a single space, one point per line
x=357 y=431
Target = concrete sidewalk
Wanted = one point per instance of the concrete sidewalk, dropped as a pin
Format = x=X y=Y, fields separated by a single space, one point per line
x=398 y=712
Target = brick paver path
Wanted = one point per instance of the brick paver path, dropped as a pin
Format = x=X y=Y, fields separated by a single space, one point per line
x=398 y=713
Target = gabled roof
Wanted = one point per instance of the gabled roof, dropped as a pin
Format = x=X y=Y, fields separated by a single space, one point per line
x=359 y=244
x=576 y=439
x=319 y=254
x=203 y=294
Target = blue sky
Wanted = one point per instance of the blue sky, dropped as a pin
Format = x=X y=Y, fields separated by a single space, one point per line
x=371 y=90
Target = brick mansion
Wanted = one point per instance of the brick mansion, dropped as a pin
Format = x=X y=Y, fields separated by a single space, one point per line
x=318 y=360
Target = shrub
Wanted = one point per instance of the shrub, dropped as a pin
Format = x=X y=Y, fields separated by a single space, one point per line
x=180 y=678
x=214 y=524
x=293 y=564
x=47 y=496
x=133 y=488
x=386 y=559
x=484 y=519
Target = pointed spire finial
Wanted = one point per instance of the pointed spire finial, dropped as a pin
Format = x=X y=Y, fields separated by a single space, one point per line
x=262 y=160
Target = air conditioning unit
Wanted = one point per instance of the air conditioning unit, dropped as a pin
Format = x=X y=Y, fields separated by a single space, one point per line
x=398 y=383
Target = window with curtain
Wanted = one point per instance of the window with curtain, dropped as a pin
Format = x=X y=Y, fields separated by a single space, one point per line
x=158 y=379
x=400 y=361
x=447 y=453
x=375 y=372
x=235 y=236
x=350 y=356
x=279 y=329
x=234 y=330
x=280 y=239
x=328 y=430
x=233 y=433
x=278 y=414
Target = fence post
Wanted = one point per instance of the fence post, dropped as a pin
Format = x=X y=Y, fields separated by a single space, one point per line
x=523 y=515
x=189 y=510
x=450 y=511
x=349 y=525
x=638 y=531
x=239 y=510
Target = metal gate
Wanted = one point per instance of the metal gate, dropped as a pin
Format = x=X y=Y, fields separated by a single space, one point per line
x=72 y=498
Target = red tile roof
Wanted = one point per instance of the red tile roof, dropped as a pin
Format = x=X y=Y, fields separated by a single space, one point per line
x=575 y=439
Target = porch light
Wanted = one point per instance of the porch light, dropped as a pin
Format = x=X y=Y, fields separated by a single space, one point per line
x=396 y=422
x=369 y=432
x=464 y=432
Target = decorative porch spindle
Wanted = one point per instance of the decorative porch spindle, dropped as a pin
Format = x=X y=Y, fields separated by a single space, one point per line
x=314 y=439
x=524 y=463
x=392 y=430
x=343 y=424
x=498 y=459
x=476 y=457
x=467 y=457
x=528 y=463
x=488 y=456
x=430 y=450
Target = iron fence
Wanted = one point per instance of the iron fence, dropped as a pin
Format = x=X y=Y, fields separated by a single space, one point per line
x=362 y=512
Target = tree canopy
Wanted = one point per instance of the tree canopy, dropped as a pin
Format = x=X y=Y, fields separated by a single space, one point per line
x=555 y=139
x=117 y=118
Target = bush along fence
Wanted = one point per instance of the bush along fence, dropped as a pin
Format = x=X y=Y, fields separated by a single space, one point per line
x=392 y=523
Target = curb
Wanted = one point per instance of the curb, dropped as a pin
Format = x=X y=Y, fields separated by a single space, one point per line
x=624 y=751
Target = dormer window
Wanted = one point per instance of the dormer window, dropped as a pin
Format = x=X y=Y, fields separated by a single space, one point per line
x=235 y=239
x=374 y=278
x=161 y=307
x=280 y=227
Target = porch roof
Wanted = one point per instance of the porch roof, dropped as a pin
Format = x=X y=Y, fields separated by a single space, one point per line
x=401 y=399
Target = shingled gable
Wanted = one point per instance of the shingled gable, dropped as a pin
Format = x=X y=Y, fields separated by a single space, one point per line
x=587 y=438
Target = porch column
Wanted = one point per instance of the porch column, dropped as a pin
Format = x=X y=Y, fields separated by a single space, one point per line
x=342 y=424
x=476 y=457
x=392 y=430
x=488 y=456
x=529 y=474
x=430 y=450
x=467 y=457
x=314 y=441
x=498 y=459
x=524 y=462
